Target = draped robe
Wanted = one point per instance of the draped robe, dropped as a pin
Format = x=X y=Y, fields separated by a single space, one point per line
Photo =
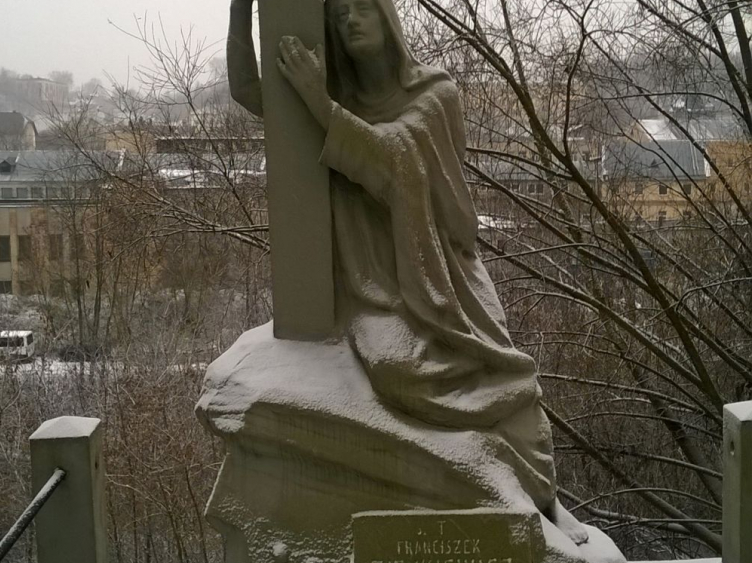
x=422 y=313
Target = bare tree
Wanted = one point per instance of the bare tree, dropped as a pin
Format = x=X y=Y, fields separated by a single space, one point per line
x=640 y=321
x=162 y=212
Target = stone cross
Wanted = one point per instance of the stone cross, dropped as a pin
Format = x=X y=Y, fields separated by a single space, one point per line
x=300 y=216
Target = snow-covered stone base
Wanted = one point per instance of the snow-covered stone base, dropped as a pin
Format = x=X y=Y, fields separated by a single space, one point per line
x=309 y=444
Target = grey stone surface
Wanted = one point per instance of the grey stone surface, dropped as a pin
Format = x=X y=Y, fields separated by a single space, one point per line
x=297 y=184
x=310 y=443
x=71 y=526
x=300 y=215
x=737 y=483
x=480 y=536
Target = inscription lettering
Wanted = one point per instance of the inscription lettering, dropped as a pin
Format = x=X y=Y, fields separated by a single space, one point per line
x=438 y=547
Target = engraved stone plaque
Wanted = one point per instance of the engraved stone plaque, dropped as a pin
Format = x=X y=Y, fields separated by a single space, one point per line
x=458 y=536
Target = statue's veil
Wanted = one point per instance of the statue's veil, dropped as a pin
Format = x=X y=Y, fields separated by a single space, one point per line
x=340 y=69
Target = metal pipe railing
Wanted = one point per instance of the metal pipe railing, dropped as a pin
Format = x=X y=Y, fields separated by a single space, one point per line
x=31 y=511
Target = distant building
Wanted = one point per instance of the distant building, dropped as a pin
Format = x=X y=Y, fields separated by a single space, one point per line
x=41 y=92
x=17 y=133
x=43 y=192
x=701 y=128
x=197 y=144
x=30 y=229
x=657 y=181
x=661 y=172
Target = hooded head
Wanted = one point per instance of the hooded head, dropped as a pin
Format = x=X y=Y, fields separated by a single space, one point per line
x=341 y=67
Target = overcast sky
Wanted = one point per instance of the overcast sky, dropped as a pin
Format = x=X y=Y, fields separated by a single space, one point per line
x=39 y=36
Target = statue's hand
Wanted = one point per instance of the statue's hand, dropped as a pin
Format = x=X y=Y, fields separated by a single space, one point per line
x=306 y=71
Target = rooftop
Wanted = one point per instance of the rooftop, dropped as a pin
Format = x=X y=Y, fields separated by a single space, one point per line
x=184 y=170
x=40 y=166
x=664 y=160
x=13 y=123
x=703 y=128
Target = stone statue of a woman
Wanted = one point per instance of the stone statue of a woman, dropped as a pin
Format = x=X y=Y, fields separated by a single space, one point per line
x=416 y=305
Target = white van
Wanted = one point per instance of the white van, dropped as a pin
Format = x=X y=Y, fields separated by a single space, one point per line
x=16 y=344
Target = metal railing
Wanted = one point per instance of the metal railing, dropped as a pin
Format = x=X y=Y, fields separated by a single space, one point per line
x=17 y=529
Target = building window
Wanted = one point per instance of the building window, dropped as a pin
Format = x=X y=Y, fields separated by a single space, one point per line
x=56 y=247
x=53 y=193
x=77 y=249
x=663 y=189
x=649 y=257
x=57 y=288
x=6 y=286
x=37 y=193
x=6 y=193
x=639 y=189
x=535 y=188
x=661 y=218
x=22 y=193
x=687 y=189
x=24 y=248
x=4 y=248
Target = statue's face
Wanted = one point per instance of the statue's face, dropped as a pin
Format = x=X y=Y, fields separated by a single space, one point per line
x=360 y=27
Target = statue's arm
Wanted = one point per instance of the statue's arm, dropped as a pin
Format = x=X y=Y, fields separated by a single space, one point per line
x=242 y=67
x=381 y=155
x=371 y=155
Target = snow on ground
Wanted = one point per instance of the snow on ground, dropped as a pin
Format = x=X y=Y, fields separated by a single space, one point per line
x=53 y=367
x=48 y=367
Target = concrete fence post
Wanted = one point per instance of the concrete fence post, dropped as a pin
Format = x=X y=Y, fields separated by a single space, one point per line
x=70 y=528
x=737 y=482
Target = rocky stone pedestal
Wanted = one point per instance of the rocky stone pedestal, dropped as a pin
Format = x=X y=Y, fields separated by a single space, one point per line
x=309 y=444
